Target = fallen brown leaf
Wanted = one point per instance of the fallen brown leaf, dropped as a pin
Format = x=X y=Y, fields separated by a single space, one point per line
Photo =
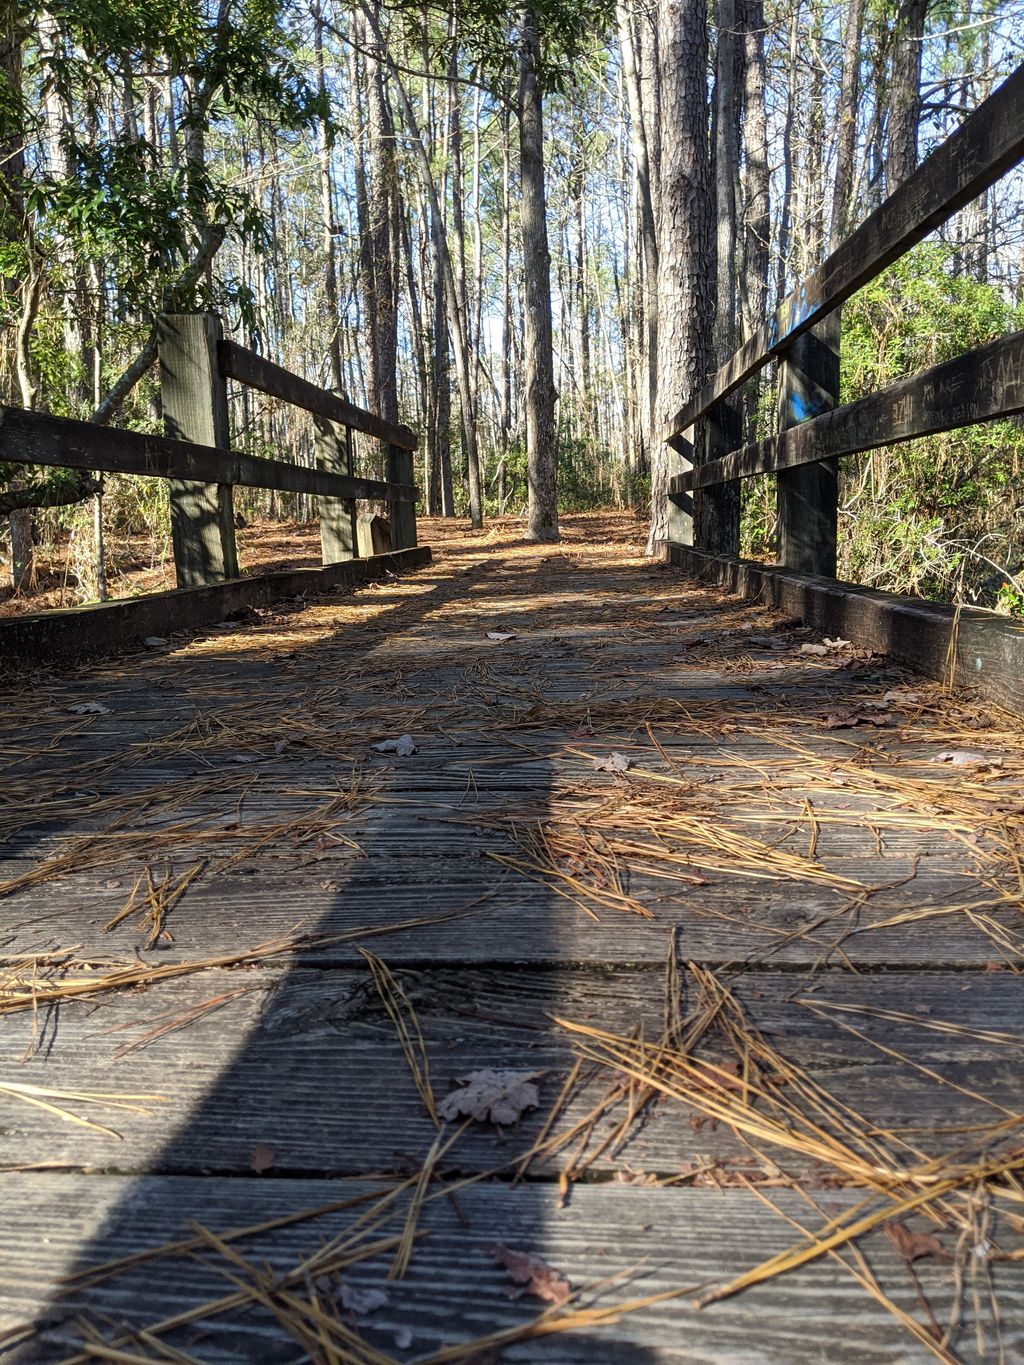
x=534 y=1275
x=913 y=1245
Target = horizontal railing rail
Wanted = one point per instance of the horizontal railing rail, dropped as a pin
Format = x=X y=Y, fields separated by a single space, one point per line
x=196 y=458
x=249 y=368
x=707 y=455
x=978 y=386
x=988 y=144
x=38 y=438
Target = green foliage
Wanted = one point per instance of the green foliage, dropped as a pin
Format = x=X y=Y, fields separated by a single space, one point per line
x=568 y=30
x=939 y=516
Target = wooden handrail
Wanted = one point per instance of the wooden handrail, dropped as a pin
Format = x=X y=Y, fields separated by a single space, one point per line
x=39 y=438
x=977 y=386
x=981 y=150
x=245 y=366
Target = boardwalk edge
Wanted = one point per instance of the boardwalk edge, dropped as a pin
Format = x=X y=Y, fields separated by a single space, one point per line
x=971 y=649
x=70 y=635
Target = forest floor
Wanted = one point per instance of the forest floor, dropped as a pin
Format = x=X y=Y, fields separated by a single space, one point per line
x=536 y=957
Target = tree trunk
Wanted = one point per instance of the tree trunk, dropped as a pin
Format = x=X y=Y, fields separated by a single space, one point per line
x=905 y=91
x=327 y=211
x=726 y=153
x=753 y=277
x=846 y=144
x=441 y=246
x=383 y=193
x=685 y=313
x=648 y=227
x=538 y=350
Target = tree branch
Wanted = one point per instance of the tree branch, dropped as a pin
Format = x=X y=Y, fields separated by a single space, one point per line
x=62 y=494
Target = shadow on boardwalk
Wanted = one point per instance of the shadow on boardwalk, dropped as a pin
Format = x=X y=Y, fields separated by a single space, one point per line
x=293 y=1064
x=305 y=1067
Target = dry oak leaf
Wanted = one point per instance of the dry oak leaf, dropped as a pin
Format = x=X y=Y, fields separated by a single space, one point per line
x=531 y=1273
x=913 y=1245
x=963 y=758
x=498 y=1096
x=813 y=649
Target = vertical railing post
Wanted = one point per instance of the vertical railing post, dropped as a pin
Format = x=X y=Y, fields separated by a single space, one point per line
x=716 y=511
x=333 y=453
x=401 y=513
x=194 y=398
x=808 y=496
x=679 y=521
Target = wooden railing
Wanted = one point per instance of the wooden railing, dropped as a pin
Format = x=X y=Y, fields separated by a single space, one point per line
x=196 y=456
x=803 y=336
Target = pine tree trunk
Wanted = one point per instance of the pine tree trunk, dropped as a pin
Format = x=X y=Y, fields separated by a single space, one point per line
x=905 y=91
x=846 y=144
x=726 y=154
x=685 y=231
x=538 y=350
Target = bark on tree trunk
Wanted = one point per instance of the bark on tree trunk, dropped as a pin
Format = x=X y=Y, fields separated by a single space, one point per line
x=727 y=151
x=327 y=209
x=542 y=523
x=648 y=228
x=685 y=313
x=846 y=145
x=905 y=91
x=380 y=212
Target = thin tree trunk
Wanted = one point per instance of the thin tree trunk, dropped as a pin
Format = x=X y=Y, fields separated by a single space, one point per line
x=726 y=153
x=460 y=348
x=327 y=211
x=905 y=91
x=542 y=521
x=846 y=143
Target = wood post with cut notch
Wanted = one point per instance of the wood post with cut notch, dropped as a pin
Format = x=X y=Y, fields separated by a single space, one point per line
x=337 y=515
x=808 y=495
x=195 y=408
x=717 y=509
x=679 y=524
x=401 y=513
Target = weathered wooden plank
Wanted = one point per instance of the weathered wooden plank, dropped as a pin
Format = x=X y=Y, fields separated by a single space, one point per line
x=401 y=903
x=38 y=438
x=972 y=649
x=454 y=1292
x=253 y=1069
x=979 y=386
x=807 y=498
x=978 y=154
x=57 y=638
x=249 y=368
x=194 y=402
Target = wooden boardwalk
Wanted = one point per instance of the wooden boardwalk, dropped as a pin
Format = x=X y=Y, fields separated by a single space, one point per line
x=639 y=812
